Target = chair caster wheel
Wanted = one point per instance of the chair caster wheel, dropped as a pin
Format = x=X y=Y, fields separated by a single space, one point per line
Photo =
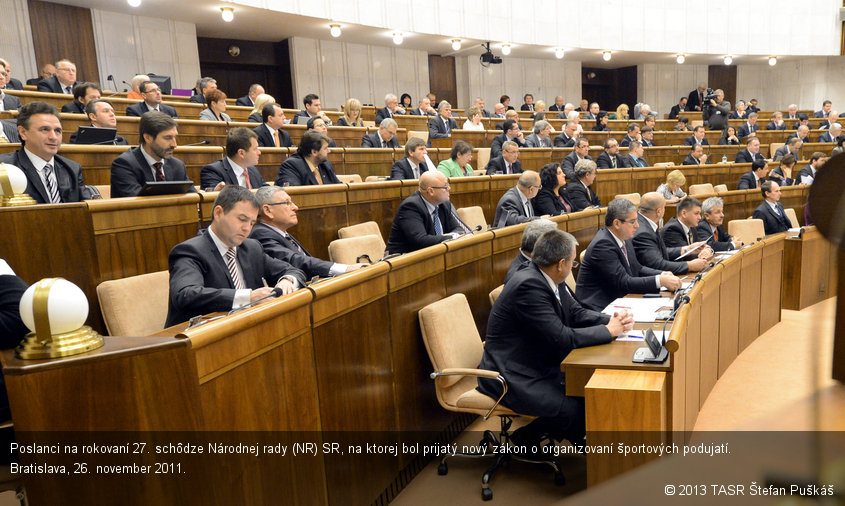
x=486 y=494
x=442 y=469
x=560 y=479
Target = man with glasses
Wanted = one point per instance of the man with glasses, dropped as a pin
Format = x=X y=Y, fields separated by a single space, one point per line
x=7 y=102
x=648 y=244
x=507 y=162
x=11 y=82
x=425 y=218
x=610 y=268
x=152 y=101
x=63 y=81
x=276 y=215
x=515 y=205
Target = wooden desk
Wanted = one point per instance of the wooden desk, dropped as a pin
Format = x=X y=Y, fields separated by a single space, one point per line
x=810 y=273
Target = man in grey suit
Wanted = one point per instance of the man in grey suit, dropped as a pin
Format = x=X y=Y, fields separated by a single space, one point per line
x=540 y=138
x=9 y=130
x=716 y=111
x=515 y=206
x=385 y=137
x=424 y=108
x=9 y=102
x=582 y=147
x=441 y=126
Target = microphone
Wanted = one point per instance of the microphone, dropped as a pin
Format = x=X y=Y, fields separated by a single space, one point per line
x=111 y=94
x=276 y=292
x=200 y=143
x=466 y=228
x=127 y=84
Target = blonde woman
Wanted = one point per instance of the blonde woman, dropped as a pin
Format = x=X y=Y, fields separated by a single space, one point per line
x=622 y=112
x=351 y=114
x=539 y=106
x=260 y=101
x=473 y=121
x=671 y=189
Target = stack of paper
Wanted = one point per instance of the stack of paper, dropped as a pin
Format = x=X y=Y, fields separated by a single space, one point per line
x=644 y=309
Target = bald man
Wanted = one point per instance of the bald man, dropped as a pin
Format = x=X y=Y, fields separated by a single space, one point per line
x=650 y=249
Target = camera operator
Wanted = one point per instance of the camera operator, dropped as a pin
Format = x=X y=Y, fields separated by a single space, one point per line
x=716 y=110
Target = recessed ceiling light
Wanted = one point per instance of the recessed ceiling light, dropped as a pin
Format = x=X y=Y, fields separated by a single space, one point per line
x=681 y=58
x=506 y=49
x=728 y=59
x=134 y=3
x=456 y=44
x=773 y=60
x=228 y=14
x=559 y=53
x=398 y=37
x=605 y=55
x=334 y=30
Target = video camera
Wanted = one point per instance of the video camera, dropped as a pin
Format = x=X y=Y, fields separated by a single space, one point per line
x=709 y=95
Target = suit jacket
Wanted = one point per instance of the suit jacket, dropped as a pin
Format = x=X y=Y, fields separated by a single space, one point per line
x=626 y=141
x=745 y=130
x=526 y=107
x=413 y=228
x=529 y=332
x=580 y=196
x=820 y=114
x=724 y=141
x=11 y=103
x=130 y=171
x=14 y=84
x=806 y=171
x=604 y=161
x=496 y=145
x=547 y=202
x=693 y=100
x=647 y=143
x=746 y=156
x=265 y=138
x=402 y=169
x=68 y=175
x=222 y=170
x=245 y=101
x=651 y=251
x=534 y=141
x=773 y=223
x=118 y=140
x=285 y=248
x=296 y=172
x=53 y=85
x=208 y=115
x=676 y=111
x=630 y=161
x=255 y=118
x=382 y=113
x=673 y=235
x=199 y=98
x=564 y=141
x=510 y=211
x=200 y=282
x=735 y=115
x=74 y=108
x=10 y=128
x=372 y=140
x=605 y=275
x=773 y=126
x=826 y=137
x=690 y=160
x=418 y=112
x=722 y=241
x=748 y=181
x=498 y=166
x=717 y=117
x=141 y=107
x=690 y=141
x=437 y=128
x=782 y=151
x=568 y=165
x=519 y=262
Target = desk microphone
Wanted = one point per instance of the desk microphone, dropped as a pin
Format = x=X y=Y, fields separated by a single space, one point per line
x=200 y=143
x=127 y=84
x=466 y=228
x=276 y=292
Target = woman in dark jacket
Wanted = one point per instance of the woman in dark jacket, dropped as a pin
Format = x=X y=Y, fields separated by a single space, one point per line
x=601 y=122
x=550 y=200
x=729 y=137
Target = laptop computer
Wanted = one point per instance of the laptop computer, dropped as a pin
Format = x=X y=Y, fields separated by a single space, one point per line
x=166 y=188
x=95 y=135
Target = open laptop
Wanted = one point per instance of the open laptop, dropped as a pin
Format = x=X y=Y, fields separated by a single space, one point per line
x=96 y=135
x=166 y=188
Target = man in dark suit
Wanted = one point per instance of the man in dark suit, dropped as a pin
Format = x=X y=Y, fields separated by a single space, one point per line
x=578 y=190
x=441 y=126
x=82 y=94
x=792 y=146
x=566 y=139
x=479 y=102
x=204 y=85
x=152 y=160
x=9 y=102
x=803 y=120
x=313 y=107
x=833 y=135
x=749 y=129
x=50 y=178
x=507 y=162
x=755 y=177
x=424 y=108
x=414 y=163
x=310 y=164
x=384 y=137
x=277 y=214
x=425 y=218
x=63 y=81
x=695 y=101
x=10 y=130
x=530 y=234
x=12 y=327
x=152 y=102
x=11 y=82
x=632 y=135
x=317 y=124
x=101 y=114
x=698 y=137
x=676 y=110
x=582 y=147
x=649 y=246
x=751 y=152
x=248 y=100
x=825 y=110
x=515 y=207
x=47 y=71
x=540 y=137
x=270 y=133
x=807 y=174
x=610 y=268
x=222 y=269
x=511 y=133
x=391 y=108
x=802 y=132
x=678 y=233
x=710 y=227
x=609 y=158
x=635 y=157
x=647 y=135
x=777 y=122
x=696 y=156
x=528 y=102
x=238 y=167
x=532 y=328
x=771 y=210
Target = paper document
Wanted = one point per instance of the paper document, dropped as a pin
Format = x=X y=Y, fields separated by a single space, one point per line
x=684 y=286
x=637 y=335
x=644 y=309
x=692 y=250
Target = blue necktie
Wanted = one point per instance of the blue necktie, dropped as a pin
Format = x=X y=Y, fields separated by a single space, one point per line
x=438 y=228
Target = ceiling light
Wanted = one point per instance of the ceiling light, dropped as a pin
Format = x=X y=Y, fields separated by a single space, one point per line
x=559 y=53
x=773 y=60
x=728 y=59
x=506 y=49
x=681 y=58
x=334 y=30
x=456 y=44
x=228 y=14
x=605 y=55
x=398 y=37
x=134 y=3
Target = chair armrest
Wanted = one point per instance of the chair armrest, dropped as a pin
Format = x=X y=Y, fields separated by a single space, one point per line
x=481 y=373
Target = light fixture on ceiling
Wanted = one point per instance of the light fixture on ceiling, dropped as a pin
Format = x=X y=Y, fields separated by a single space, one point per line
x=605 y=55
x=134 y=3
x=681 y=58
x=456 y=44
x=773 y=60
x=398 y=37
x=558 y=53
x=334 y=30
x=506 y=49
x=228 y=14
x=728 y=59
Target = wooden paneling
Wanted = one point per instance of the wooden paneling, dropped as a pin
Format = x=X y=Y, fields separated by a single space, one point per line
x=729 y=312
x=442 y=79
x=770 y=282
x=749 y=296
x=64 y=32
x=376 y=201
x=468 y=269
x=724 y=77
x=810 y=262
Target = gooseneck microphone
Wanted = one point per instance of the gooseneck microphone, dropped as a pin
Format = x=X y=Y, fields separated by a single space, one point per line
x=200 y=143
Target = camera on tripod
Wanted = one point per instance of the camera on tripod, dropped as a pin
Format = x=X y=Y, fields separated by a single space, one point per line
x=709 y=95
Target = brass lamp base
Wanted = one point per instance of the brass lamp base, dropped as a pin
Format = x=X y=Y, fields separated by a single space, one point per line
x=61 y=345
x=20 y=199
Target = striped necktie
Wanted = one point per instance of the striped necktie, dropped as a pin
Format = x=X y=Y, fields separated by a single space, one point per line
x=52 y=184
x=233 y=269
x=438 y=228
